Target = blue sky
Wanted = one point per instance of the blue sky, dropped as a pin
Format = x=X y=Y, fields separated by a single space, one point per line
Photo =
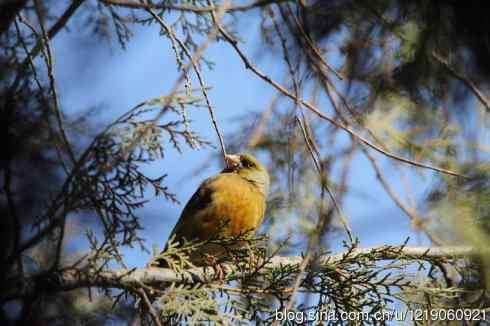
x=92 y=73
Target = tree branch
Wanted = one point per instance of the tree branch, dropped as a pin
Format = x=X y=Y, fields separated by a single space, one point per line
x=60 y=23
x=187 y=8
x=311 y=107
x=465 y=80
x=132 y=279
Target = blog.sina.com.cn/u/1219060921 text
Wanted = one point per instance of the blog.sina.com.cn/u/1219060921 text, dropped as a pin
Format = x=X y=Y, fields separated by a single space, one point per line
x=383 y=315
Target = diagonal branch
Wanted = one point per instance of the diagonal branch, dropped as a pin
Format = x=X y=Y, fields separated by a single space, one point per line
x=467 y=81
x=322 y=115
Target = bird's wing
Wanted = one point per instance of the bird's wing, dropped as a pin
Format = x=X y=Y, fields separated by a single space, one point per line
x=225 y=196
x=187 y=227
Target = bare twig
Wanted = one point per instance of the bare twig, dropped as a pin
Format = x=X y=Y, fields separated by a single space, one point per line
x=411 y=213
x=315 y=236
x=297 y=282
x=286 y=54
x=60 y=23
x=324 y=181
x=148 y=305
x=48 y=58
x=417 y=222
x=466 y=80
x=310 y=43
x=22 y=19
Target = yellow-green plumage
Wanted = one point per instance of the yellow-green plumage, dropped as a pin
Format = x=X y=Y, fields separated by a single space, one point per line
x=231 y=203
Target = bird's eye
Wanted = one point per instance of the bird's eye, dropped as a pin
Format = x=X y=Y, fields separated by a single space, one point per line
x=247 y=164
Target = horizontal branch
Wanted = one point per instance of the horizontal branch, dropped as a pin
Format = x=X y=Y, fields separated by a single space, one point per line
x=131 y=279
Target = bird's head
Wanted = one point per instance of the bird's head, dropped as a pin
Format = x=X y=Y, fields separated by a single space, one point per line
x=249 y=168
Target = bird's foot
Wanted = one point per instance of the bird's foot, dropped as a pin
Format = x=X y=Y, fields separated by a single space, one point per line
x=219 y=272
x=254 y=260
x=219 y=269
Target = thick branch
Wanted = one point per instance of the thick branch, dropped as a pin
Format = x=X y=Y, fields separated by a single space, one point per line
x=131 y=279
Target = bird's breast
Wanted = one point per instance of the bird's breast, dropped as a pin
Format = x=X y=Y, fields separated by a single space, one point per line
x=237 y=207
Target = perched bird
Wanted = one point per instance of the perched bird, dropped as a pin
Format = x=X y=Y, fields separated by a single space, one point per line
x=229 y=204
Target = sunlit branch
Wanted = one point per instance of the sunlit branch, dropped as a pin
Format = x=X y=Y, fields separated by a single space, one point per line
x=71 y=278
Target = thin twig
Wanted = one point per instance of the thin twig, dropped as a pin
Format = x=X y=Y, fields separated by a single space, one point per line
x=467 y=81
x=297 y=283
x=286 y=55
x=315 y=237
x=195 y=66
x=323 y=178
x=264 y=118
x=411 y=213
x=417 y=222
x=48 y=57
x=311 y=43
x=60 y=23
x=52 y=133
x=149 y=306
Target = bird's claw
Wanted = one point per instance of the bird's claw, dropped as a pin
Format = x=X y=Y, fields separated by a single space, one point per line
x=219 y=270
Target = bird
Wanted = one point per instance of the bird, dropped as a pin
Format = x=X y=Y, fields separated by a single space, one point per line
x=229 y=204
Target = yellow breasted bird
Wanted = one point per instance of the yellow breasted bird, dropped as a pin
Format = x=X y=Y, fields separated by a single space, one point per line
x=229 y=204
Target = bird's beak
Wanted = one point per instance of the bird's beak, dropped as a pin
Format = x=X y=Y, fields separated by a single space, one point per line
x=232 y=161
